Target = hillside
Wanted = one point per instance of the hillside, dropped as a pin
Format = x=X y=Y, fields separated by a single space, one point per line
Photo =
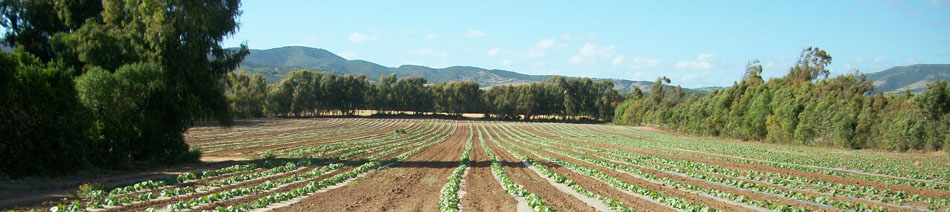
x=277 y=62
x=912 y=77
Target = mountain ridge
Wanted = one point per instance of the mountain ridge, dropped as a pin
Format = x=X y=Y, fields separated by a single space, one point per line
x=910 y=77
x=276 y=62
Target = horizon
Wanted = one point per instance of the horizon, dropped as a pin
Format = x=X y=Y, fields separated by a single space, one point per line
x=703 y=44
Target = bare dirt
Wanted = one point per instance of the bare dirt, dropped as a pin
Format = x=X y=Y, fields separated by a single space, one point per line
x=413 y=184
x=520 y=174
x=483 y=193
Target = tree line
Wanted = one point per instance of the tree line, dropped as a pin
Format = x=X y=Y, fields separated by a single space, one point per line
x=110 y=84
x=306 y=93
x=803 y=107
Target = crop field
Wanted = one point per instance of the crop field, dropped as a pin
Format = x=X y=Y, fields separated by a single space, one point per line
x=361 y=164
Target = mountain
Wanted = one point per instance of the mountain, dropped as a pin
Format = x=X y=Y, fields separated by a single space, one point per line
x=912 y=77
x=277 y=62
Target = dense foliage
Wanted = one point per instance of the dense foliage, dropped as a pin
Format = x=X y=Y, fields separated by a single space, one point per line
x=309 y=93
x=804 y=107
x=107 y=83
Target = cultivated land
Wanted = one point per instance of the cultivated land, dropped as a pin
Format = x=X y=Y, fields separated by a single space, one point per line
x=361 y=164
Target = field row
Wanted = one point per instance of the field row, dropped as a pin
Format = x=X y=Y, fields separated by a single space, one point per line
x=450 y=165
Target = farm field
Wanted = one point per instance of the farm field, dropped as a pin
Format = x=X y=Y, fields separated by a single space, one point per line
x=364 y=164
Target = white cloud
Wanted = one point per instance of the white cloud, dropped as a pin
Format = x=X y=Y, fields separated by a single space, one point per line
x=545 y=43
x=475 y=34
x=578 y=37
x=617 y=60
x=705 y=61
x=540 y=48
x=640 y=63
x=347 y=55
x=357 y=37
x=506 y=62
x=430 y=36
x=537 y=64
x=590 y=53
x=911 y=61
x=867 y=65
x=429 y=52
x=493 y=52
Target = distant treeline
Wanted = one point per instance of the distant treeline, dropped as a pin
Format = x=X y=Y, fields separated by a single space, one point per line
x=309 y=93
x=804 y=107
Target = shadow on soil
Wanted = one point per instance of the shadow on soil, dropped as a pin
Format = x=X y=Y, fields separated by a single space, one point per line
x=47 y=191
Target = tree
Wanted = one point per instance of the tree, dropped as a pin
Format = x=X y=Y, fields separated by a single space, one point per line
x=811 y=65
x=44 y=126
x=152 y=51
x=246 y=94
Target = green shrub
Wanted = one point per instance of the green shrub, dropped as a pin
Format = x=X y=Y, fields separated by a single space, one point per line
x=268 y=155
x=91 y=190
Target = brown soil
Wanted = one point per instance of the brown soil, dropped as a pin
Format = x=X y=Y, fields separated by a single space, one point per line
x=251 y=198
x=251 y=150
x=46 y=190
x=601 y=188
x=522 y=175
x=272 y=133
x=729 y=189
x=483 y=193
x=665 y=189
x=413 y=184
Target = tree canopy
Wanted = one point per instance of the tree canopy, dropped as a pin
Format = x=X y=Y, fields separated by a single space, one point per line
x=142 y=71
x=804 y=107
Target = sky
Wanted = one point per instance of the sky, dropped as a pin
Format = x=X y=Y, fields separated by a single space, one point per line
x=694 y=43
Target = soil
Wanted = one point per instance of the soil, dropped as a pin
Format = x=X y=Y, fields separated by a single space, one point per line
x=413 y=184
x=730 y=189
x=520 y=174
x=665 y=189
x=483 y=193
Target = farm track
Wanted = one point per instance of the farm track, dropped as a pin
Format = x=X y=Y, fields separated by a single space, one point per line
x=255 y=182
x=522 y=175
x=407 y=185
x=483 y=193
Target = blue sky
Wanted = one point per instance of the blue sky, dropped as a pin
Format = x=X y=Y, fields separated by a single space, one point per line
x=695 y=43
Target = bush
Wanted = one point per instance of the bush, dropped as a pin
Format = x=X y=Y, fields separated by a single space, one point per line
x=42 y=123
x=91 y=190
x=268 y=155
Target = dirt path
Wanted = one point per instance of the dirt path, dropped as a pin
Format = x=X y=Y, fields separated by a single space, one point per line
x=413 y=184
x=535 y=183
x=483 y=193
x=603 y=189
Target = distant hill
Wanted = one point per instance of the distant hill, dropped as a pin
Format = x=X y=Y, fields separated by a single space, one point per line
x=277 y=62
x=912 y=77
